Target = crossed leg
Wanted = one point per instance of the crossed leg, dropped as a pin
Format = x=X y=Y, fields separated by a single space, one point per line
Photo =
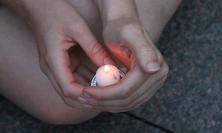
x=21 y=79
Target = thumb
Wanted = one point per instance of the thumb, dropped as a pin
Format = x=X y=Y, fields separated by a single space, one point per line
x=144 y=50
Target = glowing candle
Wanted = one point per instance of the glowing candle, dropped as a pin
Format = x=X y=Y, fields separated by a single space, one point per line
x=107 y=75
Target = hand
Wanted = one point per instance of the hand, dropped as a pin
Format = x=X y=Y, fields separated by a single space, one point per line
x=82 y=67
x=126 y=39
x=59 y=28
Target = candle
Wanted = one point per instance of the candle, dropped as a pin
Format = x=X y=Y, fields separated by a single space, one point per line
x=107 y=75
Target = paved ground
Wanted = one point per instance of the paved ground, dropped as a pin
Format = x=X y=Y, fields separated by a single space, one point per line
x=190 y=102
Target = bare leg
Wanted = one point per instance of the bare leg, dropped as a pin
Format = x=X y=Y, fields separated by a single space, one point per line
x=21 y=79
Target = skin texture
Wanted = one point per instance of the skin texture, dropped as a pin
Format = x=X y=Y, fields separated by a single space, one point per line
x=47 y=100
x=128 y=41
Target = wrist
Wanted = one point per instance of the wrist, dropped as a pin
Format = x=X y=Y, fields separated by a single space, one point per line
x=112 y=10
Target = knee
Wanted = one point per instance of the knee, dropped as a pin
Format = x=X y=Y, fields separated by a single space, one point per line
x=61 y=116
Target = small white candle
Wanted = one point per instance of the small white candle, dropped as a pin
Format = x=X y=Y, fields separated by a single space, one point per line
x=107 y=75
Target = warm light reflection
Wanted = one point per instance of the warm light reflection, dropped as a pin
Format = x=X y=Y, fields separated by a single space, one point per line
x=106 y=68
x=120 y=54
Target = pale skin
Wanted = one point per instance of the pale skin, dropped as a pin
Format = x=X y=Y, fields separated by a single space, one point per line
x=36 y=68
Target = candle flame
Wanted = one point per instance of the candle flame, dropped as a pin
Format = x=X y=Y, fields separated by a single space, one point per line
x=106 y=68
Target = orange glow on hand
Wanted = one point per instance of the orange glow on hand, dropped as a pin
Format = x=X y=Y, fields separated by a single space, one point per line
x=121 y=55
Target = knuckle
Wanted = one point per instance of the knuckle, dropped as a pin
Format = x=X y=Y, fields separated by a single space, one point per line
x=96 y=49
x=131 y=29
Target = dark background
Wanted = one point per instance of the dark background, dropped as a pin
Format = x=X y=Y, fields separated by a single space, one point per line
x=190 y=102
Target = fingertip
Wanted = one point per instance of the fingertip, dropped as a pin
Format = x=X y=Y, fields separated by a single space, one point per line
x=152 y=67
x=149 y=61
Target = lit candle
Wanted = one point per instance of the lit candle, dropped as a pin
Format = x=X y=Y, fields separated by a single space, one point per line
x=107 y=75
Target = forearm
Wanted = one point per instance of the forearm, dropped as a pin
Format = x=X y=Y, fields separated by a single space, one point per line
x=115 y=9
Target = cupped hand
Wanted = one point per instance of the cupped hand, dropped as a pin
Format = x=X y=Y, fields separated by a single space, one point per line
x=128 y=42
x=59 y=28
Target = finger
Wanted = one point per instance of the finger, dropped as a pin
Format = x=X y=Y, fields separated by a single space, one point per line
x=77 y=104
x=80 y=79
x=90 y=45
x=49 y=75
x=68 y=101
x=121 y=90
x=85 y=72
x=148 y=95
x=144 y=89
x=77 y=55
x=126 y=102
x=159 y=55
x=143 y=49
x=59 y=63
x=144 y=98
x=151 y=81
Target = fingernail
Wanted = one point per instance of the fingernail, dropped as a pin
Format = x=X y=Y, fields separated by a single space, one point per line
x=86 y=94
x=82 y=100
x=152 y=66
x=108 y=61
